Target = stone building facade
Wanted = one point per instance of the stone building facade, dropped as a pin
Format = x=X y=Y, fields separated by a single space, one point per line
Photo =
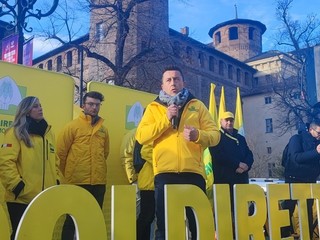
x=202 y=63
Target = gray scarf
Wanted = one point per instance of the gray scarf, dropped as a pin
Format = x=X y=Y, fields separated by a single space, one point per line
x=178 y=99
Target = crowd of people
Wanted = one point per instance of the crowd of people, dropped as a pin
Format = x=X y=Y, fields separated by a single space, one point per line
x=166 y=148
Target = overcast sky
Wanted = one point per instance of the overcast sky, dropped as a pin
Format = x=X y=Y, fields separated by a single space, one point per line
x=201 y=15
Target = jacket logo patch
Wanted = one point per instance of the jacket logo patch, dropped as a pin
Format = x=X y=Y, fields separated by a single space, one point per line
x=193 y=109
x=51 y=148
x=6 y=145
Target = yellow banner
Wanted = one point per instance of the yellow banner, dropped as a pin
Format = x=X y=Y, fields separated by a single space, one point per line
x=54 y=90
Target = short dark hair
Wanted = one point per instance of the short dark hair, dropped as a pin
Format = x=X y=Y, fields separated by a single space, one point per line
x=315 y=122
x=173 y=68
x=93 y=94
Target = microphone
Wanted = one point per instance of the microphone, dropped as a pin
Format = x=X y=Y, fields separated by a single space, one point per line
x=174 y=122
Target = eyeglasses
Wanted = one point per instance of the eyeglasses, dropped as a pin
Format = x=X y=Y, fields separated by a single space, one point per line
x=318 y=133
x=91 y=104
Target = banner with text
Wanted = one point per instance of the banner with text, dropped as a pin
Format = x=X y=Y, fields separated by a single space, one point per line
x=10 y=49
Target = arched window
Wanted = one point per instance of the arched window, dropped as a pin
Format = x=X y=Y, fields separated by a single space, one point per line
x=176 y=48
x=217 y=38
x=211 y=63
x=49 y=65
x=69 y=58
x=201 y=59
x=59 y=63
x=246 y=79
x=189 y=54
x=230 y=71
x=251 y=32
x=238 y=75
x=221 y=67
x=233 y=33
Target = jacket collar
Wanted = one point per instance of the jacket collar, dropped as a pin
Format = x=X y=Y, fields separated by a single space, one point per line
x=37 y=128
x=89 y=118
x=231 y=136
x=307 y=135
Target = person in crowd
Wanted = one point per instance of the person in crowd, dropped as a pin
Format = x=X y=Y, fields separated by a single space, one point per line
x=137 y=162
x=126 y=155
x=179 y=127
x=83 y=148
x=302 y=166
x=231 y=158
x=147 y=199
x=28 y=162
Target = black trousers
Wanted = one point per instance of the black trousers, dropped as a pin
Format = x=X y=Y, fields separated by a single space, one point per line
x=175 y=178
x=97 y=191
x=147 y=214
x=16 y=211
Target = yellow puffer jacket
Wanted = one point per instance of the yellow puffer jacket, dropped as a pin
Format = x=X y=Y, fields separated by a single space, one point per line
x=126 y=155
x=171 y=152
x=83 y=150
x=146 y=176
x=37 y=167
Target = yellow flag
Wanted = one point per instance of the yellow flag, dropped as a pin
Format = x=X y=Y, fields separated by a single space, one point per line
x=238 y=121
x=222 y=105
x=212 y=104
x=207 y=160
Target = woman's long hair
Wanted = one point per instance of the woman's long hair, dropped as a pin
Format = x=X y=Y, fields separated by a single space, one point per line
x=20 y=123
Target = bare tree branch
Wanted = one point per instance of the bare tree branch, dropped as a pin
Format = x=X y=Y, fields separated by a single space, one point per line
x=118 y=23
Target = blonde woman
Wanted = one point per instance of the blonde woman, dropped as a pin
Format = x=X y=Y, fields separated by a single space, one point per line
x=27 y=159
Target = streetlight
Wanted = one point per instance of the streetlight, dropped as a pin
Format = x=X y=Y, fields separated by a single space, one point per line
x=20 y=11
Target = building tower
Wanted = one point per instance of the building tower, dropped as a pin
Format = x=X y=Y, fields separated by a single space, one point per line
x=239 y=38
x=146 y=28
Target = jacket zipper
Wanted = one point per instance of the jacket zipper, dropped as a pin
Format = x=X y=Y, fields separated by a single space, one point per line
x=44 y=157
x=178 y=141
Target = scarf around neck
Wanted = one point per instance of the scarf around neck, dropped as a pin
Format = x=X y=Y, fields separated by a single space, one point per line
x=37 y=128
x=179 y=99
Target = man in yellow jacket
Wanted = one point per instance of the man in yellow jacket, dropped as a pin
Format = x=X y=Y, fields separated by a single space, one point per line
x=83 y=148
x=147 y=200
x=143 y=175
x=180 y=127
x=126 y=155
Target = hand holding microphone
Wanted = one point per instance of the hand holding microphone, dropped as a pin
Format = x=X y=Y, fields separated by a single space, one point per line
x=172 y=114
